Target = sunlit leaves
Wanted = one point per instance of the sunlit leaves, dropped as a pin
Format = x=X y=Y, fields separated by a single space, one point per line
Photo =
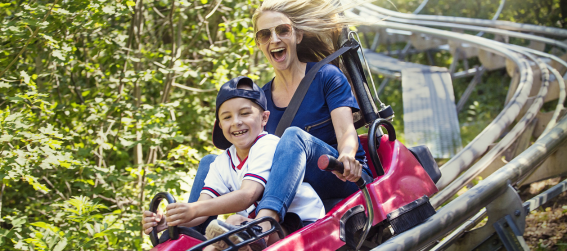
x=71 y=116
x=85 y=220
x=29 y=147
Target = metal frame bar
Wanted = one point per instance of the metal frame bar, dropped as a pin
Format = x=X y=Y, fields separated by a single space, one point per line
x=420 y=7
x=544 y=197
x=469 y=203
x=470 y=88
x=499 y=149
x=496 y=15
x=472 y=201
x=374 y=15
x=506 y=25
x=529 y=205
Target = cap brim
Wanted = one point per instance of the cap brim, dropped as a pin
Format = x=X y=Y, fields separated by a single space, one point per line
x=218 y=137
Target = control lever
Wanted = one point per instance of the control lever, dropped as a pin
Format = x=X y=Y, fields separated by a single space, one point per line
x=329 y=163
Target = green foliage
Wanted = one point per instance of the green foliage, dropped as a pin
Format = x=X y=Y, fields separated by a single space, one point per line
x=84 y=227
x=27 y=143
x=105 y=103
x=109 y=103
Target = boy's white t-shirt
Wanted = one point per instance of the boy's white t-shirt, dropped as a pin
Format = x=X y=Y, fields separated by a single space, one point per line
x=227 y=172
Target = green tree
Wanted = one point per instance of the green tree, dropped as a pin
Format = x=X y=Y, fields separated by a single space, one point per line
x=103 y=104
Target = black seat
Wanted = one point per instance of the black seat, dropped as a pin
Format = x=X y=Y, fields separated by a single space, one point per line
x=423 y=155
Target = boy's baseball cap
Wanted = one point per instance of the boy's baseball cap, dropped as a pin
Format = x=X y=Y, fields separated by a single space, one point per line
x=229 y=91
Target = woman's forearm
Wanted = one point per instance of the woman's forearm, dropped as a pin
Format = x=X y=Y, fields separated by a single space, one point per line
x=348 y=144
x=347 y=138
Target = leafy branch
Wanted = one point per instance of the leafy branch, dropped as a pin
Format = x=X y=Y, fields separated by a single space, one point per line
x=29 y=40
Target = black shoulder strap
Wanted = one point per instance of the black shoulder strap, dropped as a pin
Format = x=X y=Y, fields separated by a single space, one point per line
x=297 y=98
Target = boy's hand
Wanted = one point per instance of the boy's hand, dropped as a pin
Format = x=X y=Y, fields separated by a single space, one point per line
x=151 y=220
x=179 y=213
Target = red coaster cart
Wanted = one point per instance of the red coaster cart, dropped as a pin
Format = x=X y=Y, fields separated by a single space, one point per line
x=394 y=200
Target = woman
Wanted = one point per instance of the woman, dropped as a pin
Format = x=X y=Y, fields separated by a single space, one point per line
x=293 y=35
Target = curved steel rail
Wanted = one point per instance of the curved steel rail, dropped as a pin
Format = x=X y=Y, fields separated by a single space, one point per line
x=458 y=211
x=560 y=102
x=506 y=25
x=498 y=150
x=496 y=15
x=478 y=146
x=376 y=16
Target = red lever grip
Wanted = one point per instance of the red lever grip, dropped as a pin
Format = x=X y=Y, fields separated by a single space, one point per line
x=329 y=163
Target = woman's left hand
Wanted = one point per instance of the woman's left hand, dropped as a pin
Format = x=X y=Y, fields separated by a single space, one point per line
x=353 y=169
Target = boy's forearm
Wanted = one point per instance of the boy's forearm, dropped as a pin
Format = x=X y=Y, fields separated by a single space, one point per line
x=195 y=222
x=236 y=201
x=229 y=203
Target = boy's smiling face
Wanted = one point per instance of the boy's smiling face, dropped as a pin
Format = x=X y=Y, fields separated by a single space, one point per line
x=241 y=121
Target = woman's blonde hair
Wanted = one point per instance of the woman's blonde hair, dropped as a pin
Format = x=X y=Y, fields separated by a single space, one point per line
x=320 y=21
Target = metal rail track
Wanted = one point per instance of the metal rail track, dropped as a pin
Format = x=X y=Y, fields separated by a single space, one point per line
x=462 y=208
x=505 y=25
x=456 y=216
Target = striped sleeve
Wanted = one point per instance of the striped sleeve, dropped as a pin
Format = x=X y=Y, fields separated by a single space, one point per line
x=210 y=191
x=215 y=183
x=257 y=178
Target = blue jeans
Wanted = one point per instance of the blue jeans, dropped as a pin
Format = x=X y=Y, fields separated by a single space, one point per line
x=297 y=154
x=198 y=185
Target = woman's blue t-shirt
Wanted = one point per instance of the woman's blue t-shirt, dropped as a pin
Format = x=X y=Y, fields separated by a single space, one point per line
x=329 y=90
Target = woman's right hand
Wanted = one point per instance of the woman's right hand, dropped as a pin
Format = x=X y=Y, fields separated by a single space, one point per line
x=151 y=220
x=352 y=169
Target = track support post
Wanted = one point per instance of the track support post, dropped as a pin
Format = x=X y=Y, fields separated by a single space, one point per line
x=504 y=228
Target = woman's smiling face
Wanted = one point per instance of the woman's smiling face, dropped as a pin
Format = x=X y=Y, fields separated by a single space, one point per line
x=281 y=52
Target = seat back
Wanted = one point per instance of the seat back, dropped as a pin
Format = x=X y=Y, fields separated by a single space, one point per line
x=423 y=155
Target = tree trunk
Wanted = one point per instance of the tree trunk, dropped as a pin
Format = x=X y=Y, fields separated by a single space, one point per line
x=1 y=194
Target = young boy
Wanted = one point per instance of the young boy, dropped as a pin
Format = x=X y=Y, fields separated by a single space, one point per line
x=237 y=177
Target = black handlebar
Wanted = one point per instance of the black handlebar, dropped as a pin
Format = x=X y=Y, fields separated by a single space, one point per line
x=329 y=163
x=374 y=144
x=246 y=228
x=173 y=231
x=359 y=82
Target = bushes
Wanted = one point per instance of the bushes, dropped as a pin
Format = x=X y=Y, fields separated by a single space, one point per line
x=109 y=103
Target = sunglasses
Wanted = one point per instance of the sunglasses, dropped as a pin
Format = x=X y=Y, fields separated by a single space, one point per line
x=265 y=35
